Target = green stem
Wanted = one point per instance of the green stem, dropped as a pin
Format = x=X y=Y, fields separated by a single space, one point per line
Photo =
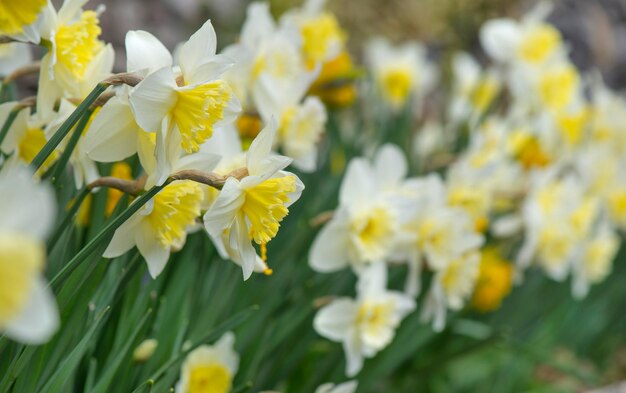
x=67 y=125
x=8 y=123
x=103 y=235
x=69 y=148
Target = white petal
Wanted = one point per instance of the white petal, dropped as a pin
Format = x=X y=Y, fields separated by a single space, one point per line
x=390 y=165
x=372 y=280
x=259 y=25
x=164 y=159
x=244 y=246
x=153 y=252
x=358 y=183
x=19 y=56
x=17 y=129
x=152 y=99
x=346 y=387
x=18 y=195
x=261 y=148
x=208 y=70
x=329 y=251
x=198 y=48
x=354 y=354
x=500 y=38
x=39 y=319
x=145 y=52
x=70 y=10
x=221 y=214
x=123 y=238
x=205 y=162
x=335 y=320
x=225 y=348
x=112 y=135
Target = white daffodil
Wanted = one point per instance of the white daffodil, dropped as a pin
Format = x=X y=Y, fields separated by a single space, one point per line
x=474 y=90
x=346 y=387
x=14 y=55
x=558 y=217
x=252 y=208
x=210 y=368
x=400 y=72
x=28 y=310
x=21 y=20
x=226 y=143
x=450 y=288
x=367 y=224
x=160 y=226
x=76 y=59
x=300 y=123
x=266 y=49
x=183 y=109
x=114 y=133
x=179 y=160
x=531 y=41
x=440 y=232
x=367 y=324
x=595 y=262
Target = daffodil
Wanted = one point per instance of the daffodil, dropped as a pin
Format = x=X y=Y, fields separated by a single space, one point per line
x=451 y=287
x=251 y=209
x=21 y=20
x=300 y=122
x=25 y=137
x=494 y=280
x=76 y=59
x=28 y=312
x=210 y=368
x=530 y=41
x=474 y=89
x=185 y=109
x=558 y=218
x=368 y=223
x=595 y=262
x=264 y=49
x=160 y=226
x=227 y=145
x=367 y=324
x=323 y=39
x=400 y=72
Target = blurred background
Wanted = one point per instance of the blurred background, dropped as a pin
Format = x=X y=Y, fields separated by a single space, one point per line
x=596 y=29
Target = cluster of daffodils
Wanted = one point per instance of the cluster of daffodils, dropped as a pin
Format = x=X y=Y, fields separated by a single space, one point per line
x=213 y=134
x=525 y=175
x=205 y=126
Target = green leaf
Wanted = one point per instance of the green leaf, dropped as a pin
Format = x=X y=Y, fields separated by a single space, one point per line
x=67 y=125
x=103 y=235
x=57 y=172
x=9 y=122
x=61 y=377
x=105 y=381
